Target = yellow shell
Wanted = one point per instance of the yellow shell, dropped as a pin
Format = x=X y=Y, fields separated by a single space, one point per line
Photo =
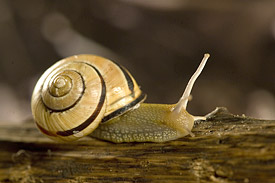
x=77 y=93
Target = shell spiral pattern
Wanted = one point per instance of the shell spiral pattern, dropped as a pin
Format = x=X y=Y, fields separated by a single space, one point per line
x=78 y=93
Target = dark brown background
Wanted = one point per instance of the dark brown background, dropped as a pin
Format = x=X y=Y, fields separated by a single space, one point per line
x=161 y=42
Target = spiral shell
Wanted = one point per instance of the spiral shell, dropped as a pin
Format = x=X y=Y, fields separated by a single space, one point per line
x=78 y=93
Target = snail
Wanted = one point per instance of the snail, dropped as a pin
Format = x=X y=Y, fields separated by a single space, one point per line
x=90 y=95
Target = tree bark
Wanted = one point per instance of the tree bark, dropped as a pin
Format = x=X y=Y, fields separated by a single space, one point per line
x=226 y=148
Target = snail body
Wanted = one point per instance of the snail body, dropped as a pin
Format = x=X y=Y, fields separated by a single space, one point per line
x=147 y=123
x=90 y=95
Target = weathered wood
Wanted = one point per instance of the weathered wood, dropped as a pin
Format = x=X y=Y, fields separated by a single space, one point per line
x=226 y=148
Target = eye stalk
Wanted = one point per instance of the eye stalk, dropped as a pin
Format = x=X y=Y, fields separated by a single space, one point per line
x=182 y=103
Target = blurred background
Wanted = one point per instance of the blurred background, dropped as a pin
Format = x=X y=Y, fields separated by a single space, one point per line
x=160 y=42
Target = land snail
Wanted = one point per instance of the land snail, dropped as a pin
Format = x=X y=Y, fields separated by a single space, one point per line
x=90 y=95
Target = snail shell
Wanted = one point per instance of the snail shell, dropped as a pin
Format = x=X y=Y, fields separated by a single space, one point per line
x=77 y=93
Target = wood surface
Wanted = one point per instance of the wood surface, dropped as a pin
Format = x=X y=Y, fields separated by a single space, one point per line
x=226 y=148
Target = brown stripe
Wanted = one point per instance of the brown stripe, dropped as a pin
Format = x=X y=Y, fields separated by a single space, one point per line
x=122 y=110
x=46 y=132
x=128 y=78
x=95 y=113
x=72 y=105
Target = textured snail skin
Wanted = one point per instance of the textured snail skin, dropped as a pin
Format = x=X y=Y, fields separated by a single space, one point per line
x=147 y=123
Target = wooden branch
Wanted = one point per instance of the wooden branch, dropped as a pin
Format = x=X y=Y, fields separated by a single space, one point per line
x=227 y=148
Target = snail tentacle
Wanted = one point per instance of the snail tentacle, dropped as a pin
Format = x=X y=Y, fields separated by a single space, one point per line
x=182 y=103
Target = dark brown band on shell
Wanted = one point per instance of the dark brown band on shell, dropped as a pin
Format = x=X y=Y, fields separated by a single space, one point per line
x=46 y=132
x=122 y=110
x=128 y=78
x=86 y=123
x=73 y=104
